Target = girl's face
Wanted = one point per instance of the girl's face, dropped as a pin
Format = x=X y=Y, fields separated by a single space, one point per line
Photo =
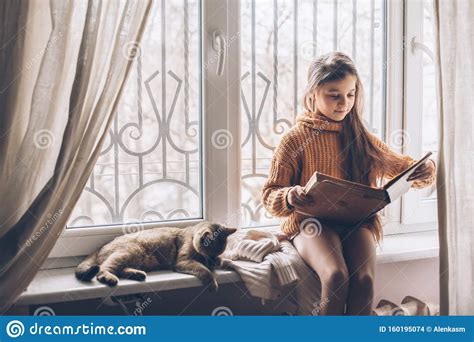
x=335 y=99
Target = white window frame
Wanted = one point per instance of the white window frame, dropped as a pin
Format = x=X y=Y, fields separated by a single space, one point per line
x=413 y=213
x=394 y=102
x=416 y=208
x=220 y=108
x=221 y=111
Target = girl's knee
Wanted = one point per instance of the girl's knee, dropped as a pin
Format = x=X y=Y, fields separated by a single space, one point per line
x=363 y=282
x=336 y=279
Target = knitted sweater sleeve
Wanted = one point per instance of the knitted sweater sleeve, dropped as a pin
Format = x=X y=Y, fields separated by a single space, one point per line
x=401 y=162
x=280 y=180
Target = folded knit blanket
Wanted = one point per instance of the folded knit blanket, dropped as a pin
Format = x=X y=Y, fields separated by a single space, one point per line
x=273 y=270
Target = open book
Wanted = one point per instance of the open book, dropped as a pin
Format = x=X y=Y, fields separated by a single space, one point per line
x=345 y=202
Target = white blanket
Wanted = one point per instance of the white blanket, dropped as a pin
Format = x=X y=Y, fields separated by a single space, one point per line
x=273 y=270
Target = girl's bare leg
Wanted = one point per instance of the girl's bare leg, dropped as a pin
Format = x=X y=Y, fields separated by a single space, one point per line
x=359 y=252
x=323 y=253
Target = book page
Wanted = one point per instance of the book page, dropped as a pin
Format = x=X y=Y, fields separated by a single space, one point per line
x=396 y=190
x=400 y=186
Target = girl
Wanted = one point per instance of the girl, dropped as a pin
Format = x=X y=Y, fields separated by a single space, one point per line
x=330 y=137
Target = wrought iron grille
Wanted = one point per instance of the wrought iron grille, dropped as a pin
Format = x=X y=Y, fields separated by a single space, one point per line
x=149 y=169
x=278 y=41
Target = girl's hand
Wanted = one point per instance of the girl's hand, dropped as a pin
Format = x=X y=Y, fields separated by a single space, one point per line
x=282 y=237
x=424 y=171
x=298 y=198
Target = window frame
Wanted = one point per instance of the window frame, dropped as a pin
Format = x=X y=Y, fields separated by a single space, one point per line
x=415 y=208
x=404 y=81
x=220 y=110
x=395 y=95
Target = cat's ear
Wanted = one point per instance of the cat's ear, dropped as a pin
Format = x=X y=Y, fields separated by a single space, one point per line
x=229 y=231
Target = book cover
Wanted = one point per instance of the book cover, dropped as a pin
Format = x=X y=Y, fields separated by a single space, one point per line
x=345 y=202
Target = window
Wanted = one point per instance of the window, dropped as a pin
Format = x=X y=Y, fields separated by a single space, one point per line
x=214 y=87
x=279 y=39
x=150 y=166
x=419 y=207
x=171 y=153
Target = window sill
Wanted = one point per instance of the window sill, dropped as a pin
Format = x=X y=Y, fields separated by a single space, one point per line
x=60 y=284
x=410 y=246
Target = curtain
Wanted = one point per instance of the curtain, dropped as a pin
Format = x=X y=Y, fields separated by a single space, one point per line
x=63 y=67
x=454 y=36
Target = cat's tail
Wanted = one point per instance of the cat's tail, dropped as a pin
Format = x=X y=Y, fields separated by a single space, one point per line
x=88 y=268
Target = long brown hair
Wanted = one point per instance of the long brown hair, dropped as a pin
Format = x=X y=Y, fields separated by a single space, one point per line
x=362 y=160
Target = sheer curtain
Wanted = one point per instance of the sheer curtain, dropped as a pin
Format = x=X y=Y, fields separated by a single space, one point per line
x=63 y=66
x=454 y=35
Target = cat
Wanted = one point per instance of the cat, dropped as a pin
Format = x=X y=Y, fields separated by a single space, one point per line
x=193 y=250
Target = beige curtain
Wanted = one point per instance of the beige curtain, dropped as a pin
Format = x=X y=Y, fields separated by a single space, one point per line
x=63 y=68
x=454 y=35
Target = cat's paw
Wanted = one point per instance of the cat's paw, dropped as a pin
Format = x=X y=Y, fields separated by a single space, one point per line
x=212 y=264
x=139 y=275
x=86 y=273
x=226 y=264
x=107 y=278
x=213 y=286
x=134 y=274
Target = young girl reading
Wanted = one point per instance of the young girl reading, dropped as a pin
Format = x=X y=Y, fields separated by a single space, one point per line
x=330 y=137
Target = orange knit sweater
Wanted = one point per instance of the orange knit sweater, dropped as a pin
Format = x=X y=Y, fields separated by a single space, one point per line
x=313 y=144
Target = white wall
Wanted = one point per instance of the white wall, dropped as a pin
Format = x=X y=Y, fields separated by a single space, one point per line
x=417 y=278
